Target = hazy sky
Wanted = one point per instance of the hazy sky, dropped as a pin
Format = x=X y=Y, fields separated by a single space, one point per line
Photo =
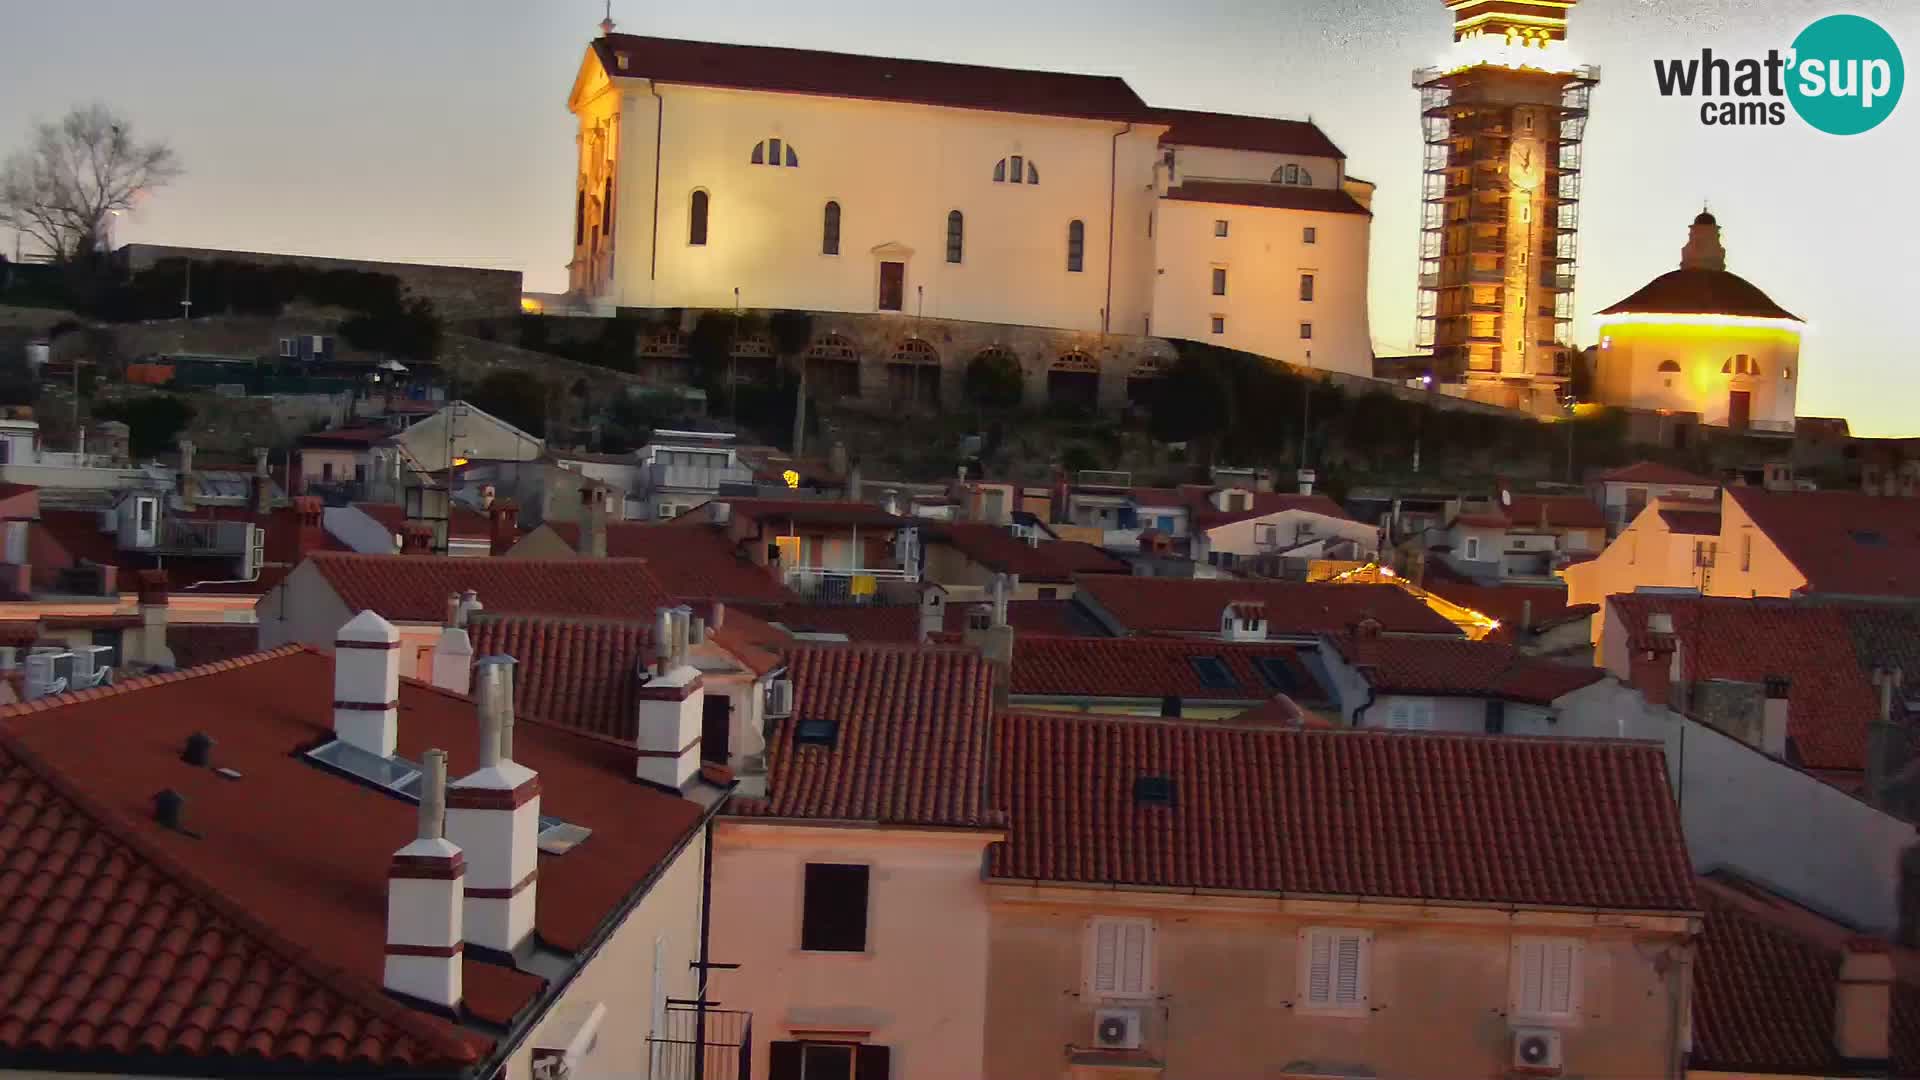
x=437 y=130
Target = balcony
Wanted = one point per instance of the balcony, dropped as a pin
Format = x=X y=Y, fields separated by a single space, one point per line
x=706 y=478
x=851 y=585
x=713 y=1044
x=177 y=537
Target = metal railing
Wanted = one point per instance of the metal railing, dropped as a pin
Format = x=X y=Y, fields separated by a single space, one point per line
x=696 y=477
x=720 y=1048
x=844 y=585
x=203 y=537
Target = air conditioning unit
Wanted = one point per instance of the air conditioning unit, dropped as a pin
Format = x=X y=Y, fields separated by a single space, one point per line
x=1117 y=1029
x=1537 y=1051
x=779 y=698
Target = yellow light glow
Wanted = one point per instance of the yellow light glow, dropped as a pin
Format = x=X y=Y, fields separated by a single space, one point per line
x=530 y=306
x=1700 y=320
x=1496 y=50
x=792 y=478
x=459 y=461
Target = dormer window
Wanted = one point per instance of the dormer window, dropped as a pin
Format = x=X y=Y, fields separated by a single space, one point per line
x=1153 y=791
x=776 y=153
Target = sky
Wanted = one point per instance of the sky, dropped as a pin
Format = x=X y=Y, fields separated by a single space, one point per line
x=437 y=131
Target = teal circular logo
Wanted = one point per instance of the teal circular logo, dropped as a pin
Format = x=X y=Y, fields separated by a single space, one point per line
x=1846 y=76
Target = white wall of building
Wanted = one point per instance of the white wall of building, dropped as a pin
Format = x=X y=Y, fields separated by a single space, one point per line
x=1215 y=163
x=1265 y=255
x=1291 y=528
x=926 y=931
x=1631 y=353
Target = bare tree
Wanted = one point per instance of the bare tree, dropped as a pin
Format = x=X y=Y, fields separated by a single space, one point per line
x=60 y=190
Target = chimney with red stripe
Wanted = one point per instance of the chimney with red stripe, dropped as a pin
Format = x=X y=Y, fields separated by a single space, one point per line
x=366 y=684
x=425 y=886
x=493 y=814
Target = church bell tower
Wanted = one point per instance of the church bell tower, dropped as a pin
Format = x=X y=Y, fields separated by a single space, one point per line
x=1503 y=119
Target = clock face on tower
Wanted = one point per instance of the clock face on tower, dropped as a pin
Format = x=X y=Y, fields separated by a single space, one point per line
x=1526 y=164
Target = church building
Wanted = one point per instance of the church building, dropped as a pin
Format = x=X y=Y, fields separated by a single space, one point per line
x=1701 y=340
x=908 y=193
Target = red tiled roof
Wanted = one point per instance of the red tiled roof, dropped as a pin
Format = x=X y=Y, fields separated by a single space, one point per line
x=1842 y=541
x=911 y=745
x=1560 y=512
x=1176 y=605
x=1766 y=975
x=997 y=549
x=1692 y=522
x=1258 y=133
x=463 y=523
x=1438 y=667
x=1517 y=607
x=8 y=491
x=77 y=535
x=1829 y=652
x=1280 y=711
x=1562 y=822
x=414 y=588
x=195 y=644
x=1154 y=668
x=1701 y=292
x=353 y=436
x=875 y=78
x=288 y=959
x=1275 y=196
x=1653 y=472
x=573 y=673
x=898 y=623
x=1264 y=503
x=693 y=564
x=1032 y=618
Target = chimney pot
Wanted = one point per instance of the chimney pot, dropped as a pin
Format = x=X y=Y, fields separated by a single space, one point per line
x=170 y=810
x=426 y=883
x=366 y=684
x=199 y=750
x=493 y=816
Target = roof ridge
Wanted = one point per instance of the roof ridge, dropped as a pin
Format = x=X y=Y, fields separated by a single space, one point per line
x=141 y=682
x=332 y=976
x=1580 y=745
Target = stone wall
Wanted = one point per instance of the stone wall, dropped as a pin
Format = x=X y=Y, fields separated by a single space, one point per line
x=457 y=292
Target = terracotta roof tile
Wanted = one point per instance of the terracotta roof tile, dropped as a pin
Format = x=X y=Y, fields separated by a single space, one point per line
x=896 y=623
x=290 y=967
x=1159 y=667
x=875 y=78
x=1701 y=292
x=1515 y=606
x=1828 y=651
x=1557 y=511
x=996 y=548
x=1275 y=196
x=1653 y=472
x=1032 y=618
x=1258 y=133
x=693 y=564
x=196 y=644
x=571 y=672
x=911 y=741
x=1571 y=822
x=1441 y=668
x=414 y=588
x=1843 y=542
x=1174 y=605
x=463 y=523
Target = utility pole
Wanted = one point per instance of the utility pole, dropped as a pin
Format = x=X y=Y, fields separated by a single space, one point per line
x=733 y=395
x=1306 y=413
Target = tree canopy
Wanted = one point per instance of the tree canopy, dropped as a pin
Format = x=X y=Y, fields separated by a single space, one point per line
x=75 y=174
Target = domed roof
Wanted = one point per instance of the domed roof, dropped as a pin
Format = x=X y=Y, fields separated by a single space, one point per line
x=1701 y=292
x=1706 y=218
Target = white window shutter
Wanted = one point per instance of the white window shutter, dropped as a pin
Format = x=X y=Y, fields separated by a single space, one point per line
x=1560 y=978
x=1348 y=955
x=1319 y=967
x=1133 y=958
x=1106 y=956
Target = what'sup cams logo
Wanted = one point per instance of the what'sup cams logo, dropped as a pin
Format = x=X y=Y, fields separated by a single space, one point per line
x=1843 y=75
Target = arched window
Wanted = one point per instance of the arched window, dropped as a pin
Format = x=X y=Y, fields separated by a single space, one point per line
x=830 y=230
x=579 y=217
x=775 y=152
x=914 y=351
x=1740 y=364
x=1292 y=174
x=1669 y=367
x=1015 y=170
x=697 y=220
x=956 y=226
x=1076 y=245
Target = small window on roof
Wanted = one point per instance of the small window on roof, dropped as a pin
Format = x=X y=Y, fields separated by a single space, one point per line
x=1213 y=673
x=816 y=731
x=1276 y=673
x=1867 y=537
x=1153 y=791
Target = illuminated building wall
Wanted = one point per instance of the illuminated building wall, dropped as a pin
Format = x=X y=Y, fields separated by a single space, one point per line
x=1503 y=121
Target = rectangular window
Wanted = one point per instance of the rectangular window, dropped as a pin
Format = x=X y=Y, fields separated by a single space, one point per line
x=326 y=472
x=1333 y=969
x=1219 y=324
x=1120 y=958
x=1410 y=715
x=1546 y=978
x=1306 y=331
x=834 y=913
x=1220 y=228
x=1473 y=549
x=1149 y=224
x=1213 y=673
x=1219 y=281
x=1746 y=552
x=827 y=1061
x=773 y=151
x=1306 y=286
x=146 y=511
x=1309 y=235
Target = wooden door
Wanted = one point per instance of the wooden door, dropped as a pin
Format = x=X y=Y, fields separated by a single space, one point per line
x=1739 y=409
x=716 y=722
x=893 y=285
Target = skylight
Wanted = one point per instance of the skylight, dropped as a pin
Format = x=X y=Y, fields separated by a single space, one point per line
x=1212 y=673
x=816 y=732
x=401 y=778
x=1153 y=791
x=1867 y=537
x=1277 y=673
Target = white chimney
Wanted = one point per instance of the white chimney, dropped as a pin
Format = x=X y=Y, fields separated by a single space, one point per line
x=469 y=603
x=426 y=883
x=1305 y=477
x=1773 y=718
x=933 y=613
x=1863 y=1002
x=493 y=814
x=453 y=660
x=671 y=701
x=366 y=684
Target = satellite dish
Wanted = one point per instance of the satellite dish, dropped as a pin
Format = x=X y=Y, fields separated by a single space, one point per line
x=1506 y=497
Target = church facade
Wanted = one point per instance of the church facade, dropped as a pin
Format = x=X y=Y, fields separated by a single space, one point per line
x=913 y=193
x=1702 y=341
